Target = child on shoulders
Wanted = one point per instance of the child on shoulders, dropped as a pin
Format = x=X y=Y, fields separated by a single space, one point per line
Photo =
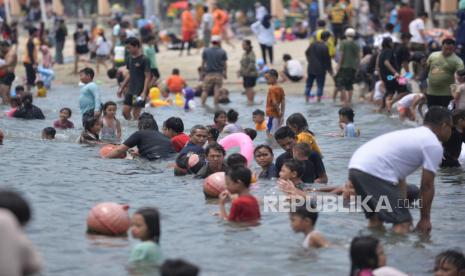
x=346 y=123
x=145 y=226
x=64 y=122
x=303 y=220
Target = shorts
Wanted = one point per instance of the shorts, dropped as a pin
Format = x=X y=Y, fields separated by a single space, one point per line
x=438 y=100
x=338 y=30
x=402 y=110
x=293 y=78
x=346 y=78
x=272 y=125
x=393 y=86
x=102 y=57
x=131 y=100
x=30 y=74
x=374 y=187
x=8 y=79
x=188 y=36
x=155 y=73
x=211 y=80
x=82 y=50
x=249 y=82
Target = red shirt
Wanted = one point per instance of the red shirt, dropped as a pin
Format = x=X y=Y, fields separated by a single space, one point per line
x=179 y=141
x=244 y=208
x=405 y=15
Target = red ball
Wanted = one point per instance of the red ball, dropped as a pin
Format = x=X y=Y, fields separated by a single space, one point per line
x=109 y=218
x=214 y=184
x=106 y=149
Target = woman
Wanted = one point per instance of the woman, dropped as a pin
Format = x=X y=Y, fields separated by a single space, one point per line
x=103 y=50
x=28 y=111
x=264 y=31
x=151 y=144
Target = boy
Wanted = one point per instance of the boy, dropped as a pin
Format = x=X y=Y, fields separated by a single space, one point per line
x=258 y=117
x=303 y=221
x=232 y=126
x=453 y=147
x=48 y=133
x=301 y=152
x=173 y=128
x=89 y=100
x=346 y=122
x=41 y=90
x=293 y=170
x=137 y=81
x=120 y=74
x=275 y=103
x=175 y=83
x=245 y=207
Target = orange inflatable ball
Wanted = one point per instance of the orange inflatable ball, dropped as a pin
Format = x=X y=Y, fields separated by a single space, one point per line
x=106 y=149
x=214 y=184
x=108 y=218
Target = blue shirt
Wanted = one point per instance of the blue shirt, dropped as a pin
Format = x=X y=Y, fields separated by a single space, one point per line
x=192 y=148
x=350 y=131
x=89 y=98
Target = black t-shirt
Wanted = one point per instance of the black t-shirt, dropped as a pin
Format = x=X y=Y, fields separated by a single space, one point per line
x=182 y=159
x=61 y=33
x=29 y=113
x=81 y=39
x=314 y=166
x=402 y=55
x=151 y=144
x=387 y=54
x=453 y=146
x=137 y=67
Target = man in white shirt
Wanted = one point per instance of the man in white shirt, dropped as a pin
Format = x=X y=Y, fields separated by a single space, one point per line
x=418 y=43
x=292 y=69
x=260 y=11
x=389 y=28
x=379 y=168
x=207 y=25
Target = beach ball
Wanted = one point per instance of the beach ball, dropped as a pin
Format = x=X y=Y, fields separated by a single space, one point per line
x=109 y=218
x=195 y=162
x=106 y=149
x=214 y=184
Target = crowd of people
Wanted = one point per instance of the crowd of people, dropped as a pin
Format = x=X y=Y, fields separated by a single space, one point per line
x=390 y=64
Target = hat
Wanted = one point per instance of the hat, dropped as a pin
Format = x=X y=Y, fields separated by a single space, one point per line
x=216 y=39
x=350 y=32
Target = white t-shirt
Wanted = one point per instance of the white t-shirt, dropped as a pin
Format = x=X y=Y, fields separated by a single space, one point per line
x=414 y=29
x=379 y=91
x=407 y=100
x=294 y=68
x=379 y=39
x=207 y=21
x=103 y=47
x=264 y=36
x=395 y=155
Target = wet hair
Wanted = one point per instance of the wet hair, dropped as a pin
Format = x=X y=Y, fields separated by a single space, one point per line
x=197 y=127
x=304 y=213
x=325 y=35
x=283 y=133
x=49 y=131
x=287 y=57
x=79 y=25
x=67 y=109
x=303 y=148
x=458 y=114
x=19 y=88
x=240 y=174
x=263 y=146
x=236 y=159
x=232 y=115
x=295 y=166
x=258 y=112
x=175 y=124
x=449 y=41
x=152 y=220
x=437 y=115
x=216 y=147
x=218 y=114
x=178 y=267
x=90 y=122
x=88 y=72
x=147 y=121
x=387 y=43
x=298 y=121
x=347 y=112
x=15 y=101
x=273 y=73
x=16 y=204
x=175 y=71
x=452 y=257
x=389 y=27
x=321 y=23
x=134 y=42
x=27 y=99
x=111 y=73
x=215 y=133
x=363 y=254
x=106 y=105
x=252 y=133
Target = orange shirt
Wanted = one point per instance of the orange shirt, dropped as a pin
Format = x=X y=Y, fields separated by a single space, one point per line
x=188 y=22
x=175 y=84
x=275 y=97
x=220 y=18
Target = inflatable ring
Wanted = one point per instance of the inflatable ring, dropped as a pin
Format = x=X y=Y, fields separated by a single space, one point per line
x=159 y=103
x=242 y=141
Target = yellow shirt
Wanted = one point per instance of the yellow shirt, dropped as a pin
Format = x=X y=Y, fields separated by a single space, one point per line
x=261 y=127
x=42 y=92
x=306 y=137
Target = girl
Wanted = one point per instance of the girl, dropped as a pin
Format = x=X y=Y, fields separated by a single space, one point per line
x=264 y=157
x=146 y=227
x=449 y=263
x=407 y=106
x=91 y=131
x=64 y=122
x=366 y=254
x=111 y=127
x=297 y=123
x=220 y=120
x=15 y=103
x=103 y=50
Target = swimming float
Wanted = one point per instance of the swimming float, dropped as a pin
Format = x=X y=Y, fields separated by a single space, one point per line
x=108 y=218
x=214 y=184
x=242 y=141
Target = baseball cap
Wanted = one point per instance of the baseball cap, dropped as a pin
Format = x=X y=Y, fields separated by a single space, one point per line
x=216 y=38
x=350 y=32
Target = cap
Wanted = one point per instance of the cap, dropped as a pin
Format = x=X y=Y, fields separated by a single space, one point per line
x=216 y=38
x=350 y=32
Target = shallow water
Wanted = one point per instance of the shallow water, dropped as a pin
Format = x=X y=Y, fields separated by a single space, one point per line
x=63 y=180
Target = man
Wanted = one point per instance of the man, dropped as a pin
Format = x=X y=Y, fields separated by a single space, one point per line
x=379 y=168
x=348 y=65
x=189 y=27
x=11 y=59
x=207 y=25
x=319 y=62
x=81 y=44
x=137 y=81
x=292 y=70
x=260 y=11
x=197 y=138
x=30 y=58
x=214 y=68
x=89 y=100
x=389 y=32
x=60 y=37
x=418 y=43
x=442 y=67
x=215 y=154
x=405 y=15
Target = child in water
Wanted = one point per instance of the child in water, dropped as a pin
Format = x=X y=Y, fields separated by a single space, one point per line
x=15 y=103
x=232 y=126
x=291 y=173
x=258 y=117
x=298 y=124
x=407 y=106
x=64 y=122
x=48 y=133
x=303 y=220
x=275 y=103
x=449 y=263
x=90 y=135
x=346 y=122
x=110 y=126
x=245 y=207
x=145 y=226
x=264 y=157
x=314 y=170
x=41 y=90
